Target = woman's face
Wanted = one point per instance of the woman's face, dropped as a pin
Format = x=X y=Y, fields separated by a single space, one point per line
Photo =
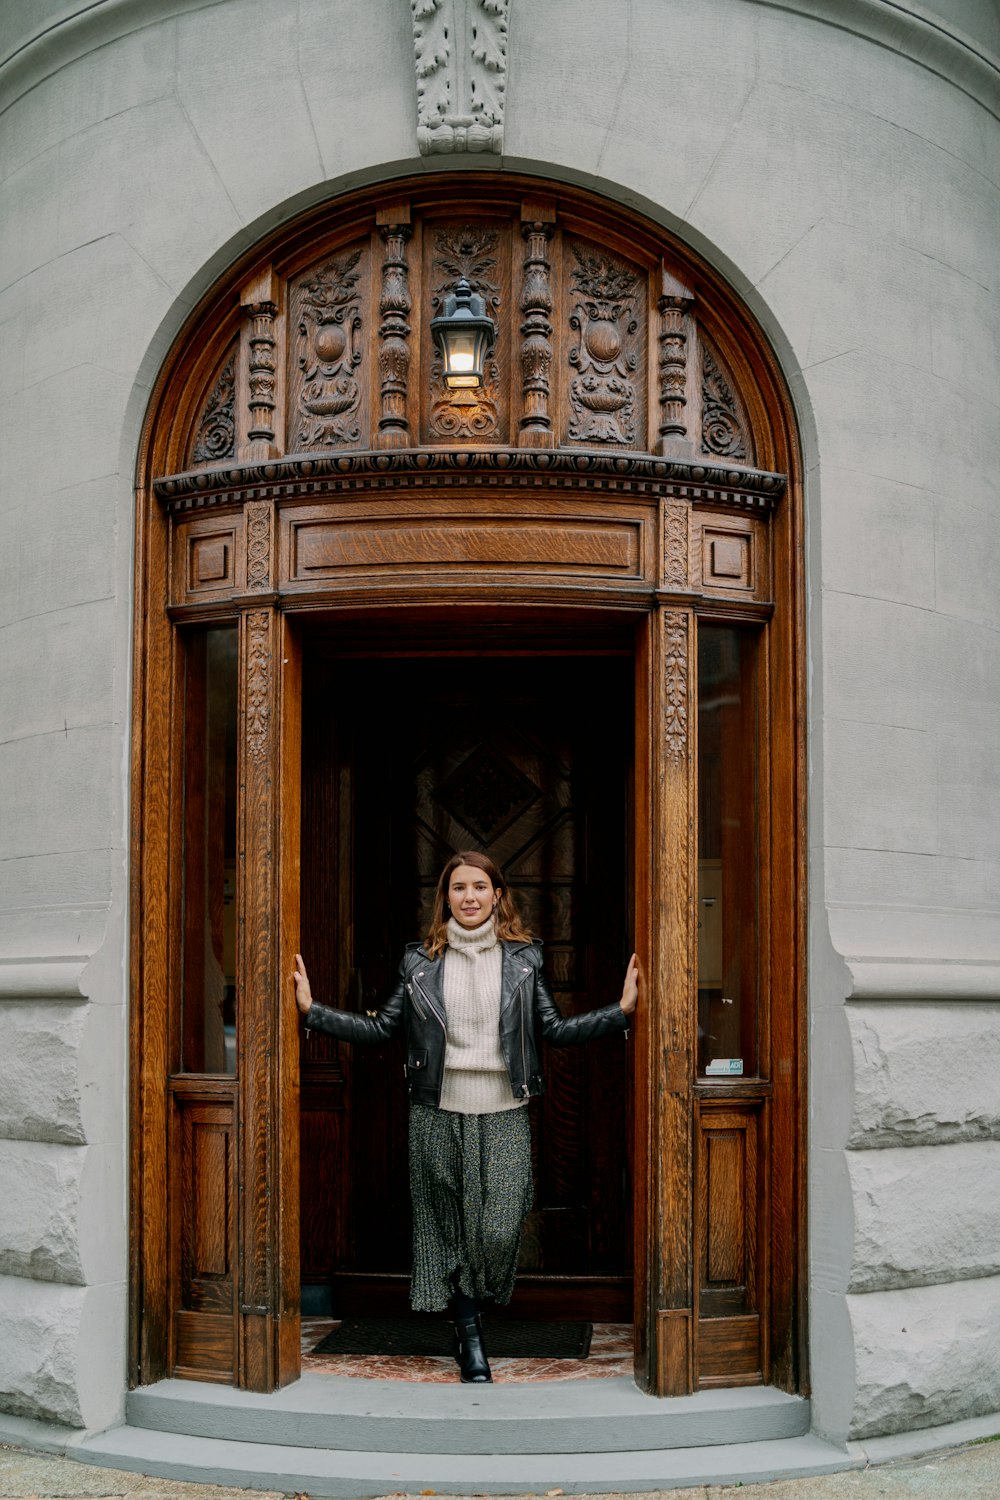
x=471 y=896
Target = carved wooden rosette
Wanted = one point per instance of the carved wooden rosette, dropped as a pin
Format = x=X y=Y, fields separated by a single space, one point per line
x=258 y=519
x=674 y=522
x=673 y=305
x=536 y=336
x=394 y=336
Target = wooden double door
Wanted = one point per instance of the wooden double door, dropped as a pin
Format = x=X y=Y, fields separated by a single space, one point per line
x=406 y=759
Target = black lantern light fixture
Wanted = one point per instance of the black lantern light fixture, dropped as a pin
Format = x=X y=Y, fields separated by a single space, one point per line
x=464 y=333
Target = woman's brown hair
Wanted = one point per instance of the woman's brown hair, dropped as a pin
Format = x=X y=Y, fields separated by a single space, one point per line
x=506 y=916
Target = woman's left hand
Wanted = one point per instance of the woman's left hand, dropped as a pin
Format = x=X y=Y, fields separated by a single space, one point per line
x=630 y=989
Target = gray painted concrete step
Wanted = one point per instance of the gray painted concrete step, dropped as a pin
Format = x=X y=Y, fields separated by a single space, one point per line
x=589 y=1416
x=325 y=1472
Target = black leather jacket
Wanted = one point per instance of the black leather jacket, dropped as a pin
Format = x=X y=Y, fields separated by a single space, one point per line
x=417 y=1002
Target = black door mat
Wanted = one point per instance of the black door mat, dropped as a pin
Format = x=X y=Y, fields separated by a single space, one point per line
x=428 y=1336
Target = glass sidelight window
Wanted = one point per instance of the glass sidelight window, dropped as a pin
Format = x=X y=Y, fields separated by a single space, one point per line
x=728 y=852
x=208 y=967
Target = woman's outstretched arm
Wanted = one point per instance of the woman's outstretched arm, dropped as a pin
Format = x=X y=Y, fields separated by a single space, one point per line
x=563 y=1031
x=345 y=1025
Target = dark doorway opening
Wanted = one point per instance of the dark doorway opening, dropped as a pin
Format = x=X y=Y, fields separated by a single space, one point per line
x=405 y=758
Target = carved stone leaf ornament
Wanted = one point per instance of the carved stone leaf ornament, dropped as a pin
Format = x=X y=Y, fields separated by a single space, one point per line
x=723 y=432
x=603 y=394
x=329 y=354
x=460 y=55
x=216 y=437
x=470 y=252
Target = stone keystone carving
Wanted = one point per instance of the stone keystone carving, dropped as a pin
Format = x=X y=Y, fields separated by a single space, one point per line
x=460 y=50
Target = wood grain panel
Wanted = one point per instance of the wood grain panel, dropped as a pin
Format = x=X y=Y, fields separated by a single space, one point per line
x=323 y=549
x=203 y=1224
x=206 y=558
x=730 y=1242
x=730 y=554
x=729 y=1351
x=726 y=1206
x=204 y=1347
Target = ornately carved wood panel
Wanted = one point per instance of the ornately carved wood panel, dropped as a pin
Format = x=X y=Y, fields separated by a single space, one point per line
x=480 y=250
x=330 y=353
x=605 y=315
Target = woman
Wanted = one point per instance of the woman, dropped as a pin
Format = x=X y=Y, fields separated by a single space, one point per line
x=472 y=999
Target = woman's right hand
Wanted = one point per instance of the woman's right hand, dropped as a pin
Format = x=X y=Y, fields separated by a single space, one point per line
x=303 y=993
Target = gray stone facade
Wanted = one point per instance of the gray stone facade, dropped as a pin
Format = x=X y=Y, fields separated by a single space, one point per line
x=839 y=162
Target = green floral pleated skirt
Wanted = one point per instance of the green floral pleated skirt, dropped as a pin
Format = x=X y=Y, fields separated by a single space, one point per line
x=470 y=1180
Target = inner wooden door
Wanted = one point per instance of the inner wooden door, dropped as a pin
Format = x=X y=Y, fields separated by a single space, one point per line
x=405 y=761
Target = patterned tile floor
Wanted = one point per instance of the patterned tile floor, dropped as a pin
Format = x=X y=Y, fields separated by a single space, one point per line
x=610 y=1354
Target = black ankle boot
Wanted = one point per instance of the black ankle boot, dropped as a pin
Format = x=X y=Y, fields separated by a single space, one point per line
x=470 y=1353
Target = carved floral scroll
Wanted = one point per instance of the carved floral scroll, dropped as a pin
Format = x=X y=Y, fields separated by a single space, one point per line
x=215 y=435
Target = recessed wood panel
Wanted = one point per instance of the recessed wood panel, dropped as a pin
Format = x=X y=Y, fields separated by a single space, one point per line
x=203 y=1227
x=729 y=1350
x=729 y=554
x=730 y=1243
x=325 y=549
x=206 y=558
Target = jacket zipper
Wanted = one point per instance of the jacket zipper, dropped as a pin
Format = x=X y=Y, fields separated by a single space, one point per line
x=413 y=998
x=524 y=1054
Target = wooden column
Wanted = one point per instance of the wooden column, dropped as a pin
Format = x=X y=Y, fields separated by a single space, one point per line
x=665 y=805
x=537 y=226
x=268 y=1353
x=259 y=421
x=673 y=305
x=394 y=329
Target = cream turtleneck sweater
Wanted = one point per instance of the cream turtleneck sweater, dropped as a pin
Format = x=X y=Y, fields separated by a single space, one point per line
x=476 y=1081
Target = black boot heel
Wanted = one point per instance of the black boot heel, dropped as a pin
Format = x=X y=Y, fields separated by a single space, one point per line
x=470 y=1353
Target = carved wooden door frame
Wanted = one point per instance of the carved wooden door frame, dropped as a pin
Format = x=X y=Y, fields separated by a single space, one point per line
x=297 y=464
